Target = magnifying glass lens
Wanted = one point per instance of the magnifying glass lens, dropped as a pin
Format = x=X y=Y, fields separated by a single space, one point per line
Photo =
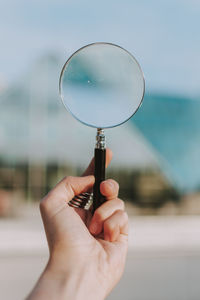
x=102 y=85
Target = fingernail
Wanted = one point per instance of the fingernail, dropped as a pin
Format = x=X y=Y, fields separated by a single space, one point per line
x=111 y=184
x=94 y=228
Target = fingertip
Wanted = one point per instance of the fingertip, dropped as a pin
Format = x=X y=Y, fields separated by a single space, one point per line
x=109 y=188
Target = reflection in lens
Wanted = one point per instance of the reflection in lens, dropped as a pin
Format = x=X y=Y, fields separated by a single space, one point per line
x=102 y=85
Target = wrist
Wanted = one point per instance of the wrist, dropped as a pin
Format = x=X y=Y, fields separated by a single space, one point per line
x=75 y=283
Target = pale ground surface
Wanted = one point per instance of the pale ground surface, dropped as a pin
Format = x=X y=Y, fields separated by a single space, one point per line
x=163 y=261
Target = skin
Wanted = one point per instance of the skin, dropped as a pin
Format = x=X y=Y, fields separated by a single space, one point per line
x=87 y=253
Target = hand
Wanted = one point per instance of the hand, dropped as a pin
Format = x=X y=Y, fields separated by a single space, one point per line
x=87 y=253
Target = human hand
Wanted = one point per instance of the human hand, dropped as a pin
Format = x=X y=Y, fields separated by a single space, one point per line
x=87 y=253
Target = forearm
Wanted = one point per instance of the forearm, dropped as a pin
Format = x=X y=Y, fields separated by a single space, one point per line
x=50 y=287
x=69 y=285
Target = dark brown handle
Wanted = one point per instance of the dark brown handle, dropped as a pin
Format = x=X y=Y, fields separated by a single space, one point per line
x=99 y=173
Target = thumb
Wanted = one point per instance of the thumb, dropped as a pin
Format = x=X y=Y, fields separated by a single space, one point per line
x=64 y=191
x=63 y=226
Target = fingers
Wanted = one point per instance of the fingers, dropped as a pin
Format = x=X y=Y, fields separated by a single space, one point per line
x=113 y=220
x=90 y=169
x=102 y=213
x=110 y=216
x=109 y=188
x=115 y=226
x=64 y=191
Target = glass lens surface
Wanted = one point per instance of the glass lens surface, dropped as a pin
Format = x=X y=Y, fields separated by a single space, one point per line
x=102 y=85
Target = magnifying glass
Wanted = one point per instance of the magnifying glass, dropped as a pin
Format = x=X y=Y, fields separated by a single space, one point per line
x=102 y=86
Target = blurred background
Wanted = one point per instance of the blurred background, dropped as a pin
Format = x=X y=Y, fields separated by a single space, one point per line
x=158 y=165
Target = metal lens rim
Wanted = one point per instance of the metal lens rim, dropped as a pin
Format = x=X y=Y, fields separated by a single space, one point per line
x=63 y=70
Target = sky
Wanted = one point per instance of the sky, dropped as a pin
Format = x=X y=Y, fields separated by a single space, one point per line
x=162 y=35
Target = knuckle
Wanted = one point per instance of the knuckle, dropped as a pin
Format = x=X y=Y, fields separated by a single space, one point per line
x=41 y=205
x=44 y=204
x=109 y=225
x=123 y=216
x=51 y=194
x=99 y=215
x=68 y=179
x=120 y=203
x=120 y=213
